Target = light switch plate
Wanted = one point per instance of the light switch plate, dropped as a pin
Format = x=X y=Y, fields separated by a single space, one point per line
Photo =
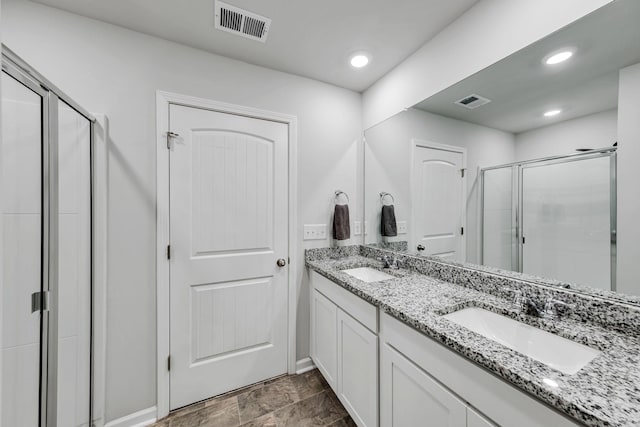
x=357 y=228
x=315 y=231
x=402 y=227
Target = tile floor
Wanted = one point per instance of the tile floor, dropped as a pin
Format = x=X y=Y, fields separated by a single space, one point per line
x=292 y=400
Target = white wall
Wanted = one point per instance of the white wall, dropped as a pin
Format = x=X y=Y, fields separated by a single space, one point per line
x=485 y=34
x=114 y=71
x=597 y=130
x=388 y=157
x=628 y=179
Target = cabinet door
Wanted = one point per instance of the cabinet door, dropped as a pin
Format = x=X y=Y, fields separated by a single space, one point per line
x=324 y=339
x=409 y=397
x=474 y=419
x=358 y=370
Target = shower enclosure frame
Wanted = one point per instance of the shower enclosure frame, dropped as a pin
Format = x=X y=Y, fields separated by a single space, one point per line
x=51 y=95
x=517 y=169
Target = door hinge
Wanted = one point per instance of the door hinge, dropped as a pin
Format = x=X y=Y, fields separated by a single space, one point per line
x=168 y=363
x=168 y=251
x=523 y=239
x=462 y=231
x=39 y=301
x=462 y=173
x=169 y=136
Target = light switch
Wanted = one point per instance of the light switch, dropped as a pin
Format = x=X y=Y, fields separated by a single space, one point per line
x=402 y=227
x=315 y=231
x=357 y=228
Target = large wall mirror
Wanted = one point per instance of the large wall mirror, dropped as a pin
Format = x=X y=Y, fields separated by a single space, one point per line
x=514 y=169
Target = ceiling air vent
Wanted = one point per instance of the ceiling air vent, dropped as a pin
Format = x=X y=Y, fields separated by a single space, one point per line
x=472 y=101
x=241 y=22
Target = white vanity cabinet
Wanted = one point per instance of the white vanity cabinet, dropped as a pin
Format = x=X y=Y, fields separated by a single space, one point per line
x=474 y=419
x=324 y=337
x=424 y=383
x=408 y=396
x=344 y=347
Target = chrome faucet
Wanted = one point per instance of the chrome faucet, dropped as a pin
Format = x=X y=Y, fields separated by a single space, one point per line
x=529 y=307
x=524 y=303
x=389 y=262
x=553 y=309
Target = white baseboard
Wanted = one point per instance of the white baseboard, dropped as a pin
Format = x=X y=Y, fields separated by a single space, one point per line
x=138 y=419
x=304 y=365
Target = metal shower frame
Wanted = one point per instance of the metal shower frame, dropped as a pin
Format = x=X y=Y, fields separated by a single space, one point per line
x=517 y=169
x=18 y=69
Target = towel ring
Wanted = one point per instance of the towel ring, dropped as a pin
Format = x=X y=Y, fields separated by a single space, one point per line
x=340 y=193
x=385 y=194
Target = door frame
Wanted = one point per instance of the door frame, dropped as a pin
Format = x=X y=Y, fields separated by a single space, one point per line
x=418 y=143
x=163 y=101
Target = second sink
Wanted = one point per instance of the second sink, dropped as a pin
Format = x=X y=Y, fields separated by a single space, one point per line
x=368 y=274
x=559 y=353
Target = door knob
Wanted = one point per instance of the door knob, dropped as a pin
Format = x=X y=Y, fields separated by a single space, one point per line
x=420 y=248
x=281 y=262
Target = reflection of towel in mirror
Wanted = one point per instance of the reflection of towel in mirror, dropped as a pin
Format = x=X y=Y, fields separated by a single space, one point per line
x=388 y=226
x=341 y=229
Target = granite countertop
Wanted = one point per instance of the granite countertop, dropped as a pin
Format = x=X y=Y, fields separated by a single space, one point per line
x=606 y=392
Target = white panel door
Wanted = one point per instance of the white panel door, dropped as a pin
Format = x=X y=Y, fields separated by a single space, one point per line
x=324 y=337
x=358 y=370
x=228 y=227
x=409 y=397
x=438 y=208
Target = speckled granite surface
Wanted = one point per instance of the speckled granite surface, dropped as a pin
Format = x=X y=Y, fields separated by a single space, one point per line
x=606 y=392
x=587 y=290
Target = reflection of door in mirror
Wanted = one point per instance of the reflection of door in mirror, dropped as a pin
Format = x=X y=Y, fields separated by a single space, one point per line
x=439 y=200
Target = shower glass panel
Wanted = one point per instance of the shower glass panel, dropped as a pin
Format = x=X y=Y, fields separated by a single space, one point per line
x=74 y=268
x=553 y=218
x=498 y=244
x=22 y=250
x=566 y=221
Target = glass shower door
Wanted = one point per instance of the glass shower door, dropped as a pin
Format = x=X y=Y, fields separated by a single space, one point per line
x=498 y=218
x=24 y=251
x=46 y=292
x=74 y=268
x=566 y=220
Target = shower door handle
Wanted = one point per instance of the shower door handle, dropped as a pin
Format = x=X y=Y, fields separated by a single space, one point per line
x=39 y=301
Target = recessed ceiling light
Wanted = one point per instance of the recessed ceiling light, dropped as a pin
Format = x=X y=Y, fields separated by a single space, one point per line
x=359 y=60
x=550 y=382
x=552 y=113
x=559 y=57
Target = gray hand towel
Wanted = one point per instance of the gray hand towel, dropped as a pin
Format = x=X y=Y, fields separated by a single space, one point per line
x=388 y=227
x=341 y=229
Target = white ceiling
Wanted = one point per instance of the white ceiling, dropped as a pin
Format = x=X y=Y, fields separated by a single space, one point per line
x=308 y=38
x=522 y=88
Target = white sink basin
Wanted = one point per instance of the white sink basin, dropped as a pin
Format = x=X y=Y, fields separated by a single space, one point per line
x=367 y=274
x=559 y=353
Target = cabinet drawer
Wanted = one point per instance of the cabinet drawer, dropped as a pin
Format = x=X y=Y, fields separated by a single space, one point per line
x=362 y=311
